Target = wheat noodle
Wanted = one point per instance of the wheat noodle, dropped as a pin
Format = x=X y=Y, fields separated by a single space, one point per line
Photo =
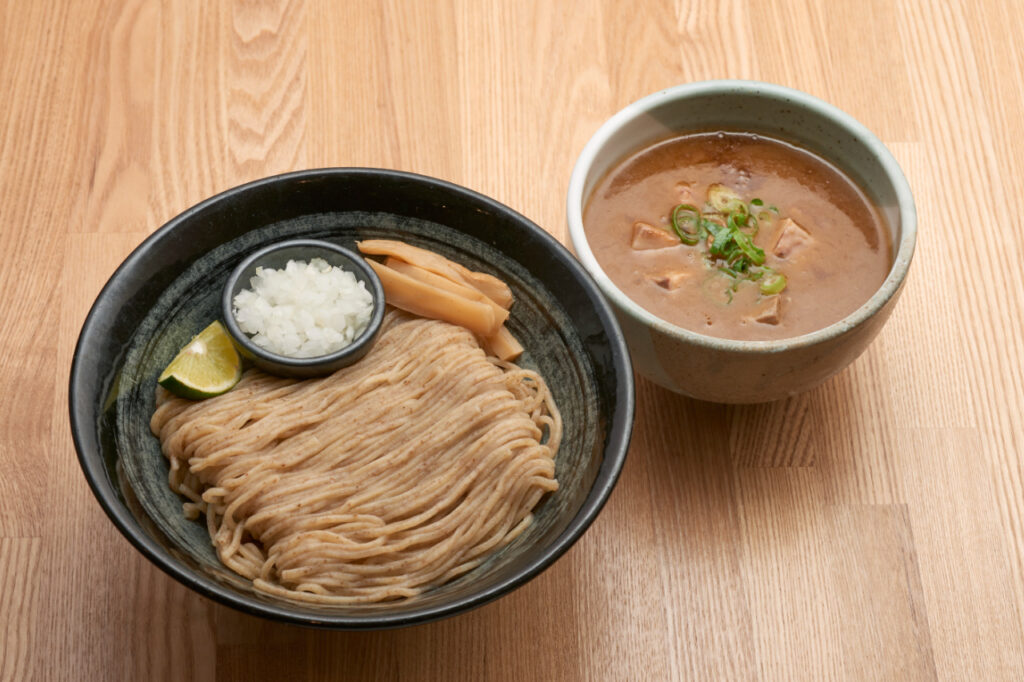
x=396 y=474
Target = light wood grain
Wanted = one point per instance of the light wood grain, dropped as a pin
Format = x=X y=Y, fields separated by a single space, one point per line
x=870 y=529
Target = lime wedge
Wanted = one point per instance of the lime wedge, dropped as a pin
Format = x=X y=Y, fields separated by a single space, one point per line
x=209 y=365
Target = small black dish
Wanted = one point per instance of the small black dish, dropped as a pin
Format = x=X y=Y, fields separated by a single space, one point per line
x=276 y=256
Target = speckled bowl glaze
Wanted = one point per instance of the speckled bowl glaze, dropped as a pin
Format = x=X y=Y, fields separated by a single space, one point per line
x=170 y=287
x=725 y=370
x=276 y=256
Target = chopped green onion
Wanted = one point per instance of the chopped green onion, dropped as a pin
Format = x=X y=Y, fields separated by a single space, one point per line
x=691 y=217
x=727 y=227
x=725 y=200
x=746 y=245
x=773 y=284
x=720 y=238
x=753 y=223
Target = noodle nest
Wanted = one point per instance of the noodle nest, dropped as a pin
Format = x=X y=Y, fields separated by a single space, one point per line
x=391 y=476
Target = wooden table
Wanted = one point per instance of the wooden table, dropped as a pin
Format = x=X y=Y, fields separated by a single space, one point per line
x=870 y=529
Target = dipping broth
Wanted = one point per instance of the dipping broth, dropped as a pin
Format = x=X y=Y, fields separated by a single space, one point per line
x=737 y=236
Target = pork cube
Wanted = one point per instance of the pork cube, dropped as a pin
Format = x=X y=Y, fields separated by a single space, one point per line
x=684 y=192
x=669 y=279
x=791 y=239
x=647 y=237
x=771 y=312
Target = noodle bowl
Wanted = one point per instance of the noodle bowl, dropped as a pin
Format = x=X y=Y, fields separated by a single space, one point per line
x=388 y=477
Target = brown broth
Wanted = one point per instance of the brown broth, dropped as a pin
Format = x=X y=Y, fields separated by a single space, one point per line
x=844 y=263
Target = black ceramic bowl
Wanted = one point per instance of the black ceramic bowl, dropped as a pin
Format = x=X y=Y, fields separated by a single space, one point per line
x=276 y=256
x=170 y=287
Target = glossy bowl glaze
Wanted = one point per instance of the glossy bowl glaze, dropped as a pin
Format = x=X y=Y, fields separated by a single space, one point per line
x=726 y=370
x=276 y=256
x=171 y=286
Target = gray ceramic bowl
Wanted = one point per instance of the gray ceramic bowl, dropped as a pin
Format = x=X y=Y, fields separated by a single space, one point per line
x=276 y=256
x=170 y=287
x=724 y=370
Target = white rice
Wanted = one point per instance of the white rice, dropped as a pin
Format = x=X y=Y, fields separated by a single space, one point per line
x=303 y=310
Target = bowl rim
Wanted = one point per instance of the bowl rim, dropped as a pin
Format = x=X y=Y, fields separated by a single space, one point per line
x=351 y=352
x=903 y=251
x=104 y=489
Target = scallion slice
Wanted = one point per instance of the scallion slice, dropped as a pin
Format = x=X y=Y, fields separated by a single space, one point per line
x=686 y=223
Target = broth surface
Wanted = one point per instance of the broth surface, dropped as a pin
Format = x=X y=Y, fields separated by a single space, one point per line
x=841 y=259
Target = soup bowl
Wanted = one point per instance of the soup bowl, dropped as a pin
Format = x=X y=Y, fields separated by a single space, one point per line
x=741 y=371
x=171 y=286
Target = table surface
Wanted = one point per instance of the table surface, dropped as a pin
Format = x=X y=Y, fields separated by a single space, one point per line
x=870 y=529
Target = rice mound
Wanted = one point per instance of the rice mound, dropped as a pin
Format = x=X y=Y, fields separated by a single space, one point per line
x=303 y=310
